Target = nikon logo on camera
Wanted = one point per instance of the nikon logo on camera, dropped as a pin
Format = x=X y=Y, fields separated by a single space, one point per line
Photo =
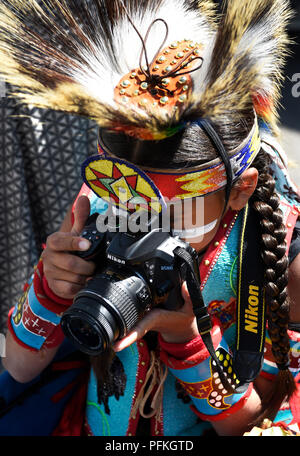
x=251 y=312
x=115 y=259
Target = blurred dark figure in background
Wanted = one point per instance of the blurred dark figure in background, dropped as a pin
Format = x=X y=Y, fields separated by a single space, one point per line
x=41 y=152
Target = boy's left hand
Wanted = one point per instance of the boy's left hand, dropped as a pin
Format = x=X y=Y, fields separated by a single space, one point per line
x=174 y=326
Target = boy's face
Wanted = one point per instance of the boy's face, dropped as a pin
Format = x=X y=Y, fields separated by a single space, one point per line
x=197 y=221
x=201 y=218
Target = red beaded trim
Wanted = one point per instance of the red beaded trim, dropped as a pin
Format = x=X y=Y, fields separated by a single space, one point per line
x=87 y=432
x=290 y=218
x=216 y=246
x=55 y=335
x=168 y=354
x=45 y=296
x=143 y=365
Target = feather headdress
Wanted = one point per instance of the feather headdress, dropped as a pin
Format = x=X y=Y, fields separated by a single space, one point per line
x=71 y=55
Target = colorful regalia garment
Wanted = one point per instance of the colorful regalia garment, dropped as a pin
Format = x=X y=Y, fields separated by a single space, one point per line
x=218 y=266
x=119 y=414
x=215 y=74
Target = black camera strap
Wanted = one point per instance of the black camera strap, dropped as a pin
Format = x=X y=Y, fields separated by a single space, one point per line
x=212 y=134
x=250 y=308
x=251 y=305
x=200 y=310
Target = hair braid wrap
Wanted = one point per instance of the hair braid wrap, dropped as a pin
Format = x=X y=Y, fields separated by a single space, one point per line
x=267 y=203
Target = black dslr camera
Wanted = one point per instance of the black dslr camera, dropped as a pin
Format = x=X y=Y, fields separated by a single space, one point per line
x=135 y=272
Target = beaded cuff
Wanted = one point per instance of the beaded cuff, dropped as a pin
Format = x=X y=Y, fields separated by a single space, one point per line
x=35 y=320
x=198 y=375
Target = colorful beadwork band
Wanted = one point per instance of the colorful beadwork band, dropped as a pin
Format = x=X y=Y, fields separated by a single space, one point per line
x=124 y=183
x=198 y=375
x=31 y=321
x=121 y=183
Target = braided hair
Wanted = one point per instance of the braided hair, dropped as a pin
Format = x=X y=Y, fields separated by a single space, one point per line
x=266 y=202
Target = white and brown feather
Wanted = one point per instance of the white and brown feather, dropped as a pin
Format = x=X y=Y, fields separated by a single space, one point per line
x=70 y=55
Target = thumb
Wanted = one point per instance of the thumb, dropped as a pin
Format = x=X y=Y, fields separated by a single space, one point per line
x=188 y=305
x=185 y=293
x=81 y=214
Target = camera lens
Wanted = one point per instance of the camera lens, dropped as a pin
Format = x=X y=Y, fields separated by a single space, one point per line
x=84 y=332
x=104 y=311
x=88 y=324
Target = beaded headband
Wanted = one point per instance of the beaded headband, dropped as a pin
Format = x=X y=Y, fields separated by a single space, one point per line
x=125 y=184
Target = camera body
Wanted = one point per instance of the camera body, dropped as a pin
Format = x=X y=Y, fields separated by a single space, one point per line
x=135 y=273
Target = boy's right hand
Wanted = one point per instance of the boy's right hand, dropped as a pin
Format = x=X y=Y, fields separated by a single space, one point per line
x=65 y=272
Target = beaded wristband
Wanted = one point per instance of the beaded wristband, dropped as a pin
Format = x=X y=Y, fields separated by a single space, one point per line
x=199 y=377
x=35 y=321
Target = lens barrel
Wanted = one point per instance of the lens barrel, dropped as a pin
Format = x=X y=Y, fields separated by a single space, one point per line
x=106 y=310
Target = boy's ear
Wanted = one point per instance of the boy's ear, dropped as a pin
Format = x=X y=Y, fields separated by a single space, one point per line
x=243 y=190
